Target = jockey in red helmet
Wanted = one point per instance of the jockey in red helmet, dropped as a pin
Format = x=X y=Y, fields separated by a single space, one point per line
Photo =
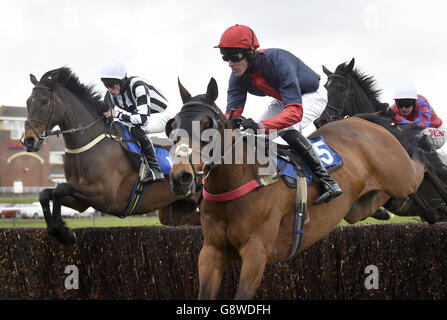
x=298 y=97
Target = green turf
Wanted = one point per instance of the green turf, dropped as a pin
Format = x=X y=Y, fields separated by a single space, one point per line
x=394 y=219
x=14 y=200
x=108 y=221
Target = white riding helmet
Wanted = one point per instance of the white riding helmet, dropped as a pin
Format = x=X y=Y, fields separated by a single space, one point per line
x=114 y=70
x=406 y=91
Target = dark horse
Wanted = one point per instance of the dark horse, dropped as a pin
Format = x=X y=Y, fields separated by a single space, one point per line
x=99 y=174
x=258 y=226
x=350 y=93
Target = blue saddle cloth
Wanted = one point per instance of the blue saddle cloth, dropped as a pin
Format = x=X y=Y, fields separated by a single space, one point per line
x=330 y=159
x=163 y=156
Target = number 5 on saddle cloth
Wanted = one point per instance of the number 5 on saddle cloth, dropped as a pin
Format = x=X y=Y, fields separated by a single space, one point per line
x=330 y=159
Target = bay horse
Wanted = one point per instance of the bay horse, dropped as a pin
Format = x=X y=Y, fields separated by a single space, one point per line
x=99 y=174
x=352 y=93
x=258 y=227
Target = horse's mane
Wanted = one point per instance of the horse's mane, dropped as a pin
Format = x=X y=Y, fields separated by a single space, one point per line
x=70 y=81
x=367 y=83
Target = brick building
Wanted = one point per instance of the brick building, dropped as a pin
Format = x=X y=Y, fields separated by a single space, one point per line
x=21 y=171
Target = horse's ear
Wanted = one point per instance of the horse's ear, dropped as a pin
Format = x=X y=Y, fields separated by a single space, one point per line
x=33 y=79
x=168 y=127
x=326 y=71
x=184 y=94
x=351 y=65
x=212 y=91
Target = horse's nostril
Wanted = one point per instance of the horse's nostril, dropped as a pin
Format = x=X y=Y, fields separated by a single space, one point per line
x=29 y=142
x=184 y=178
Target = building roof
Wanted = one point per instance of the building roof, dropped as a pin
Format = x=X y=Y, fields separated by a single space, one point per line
x=13 y=112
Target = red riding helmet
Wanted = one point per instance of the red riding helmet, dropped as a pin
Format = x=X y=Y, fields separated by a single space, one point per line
x=238 y=36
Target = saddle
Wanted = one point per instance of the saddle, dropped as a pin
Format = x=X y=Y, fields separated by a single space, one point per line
x=133 y=151
x=289 y=163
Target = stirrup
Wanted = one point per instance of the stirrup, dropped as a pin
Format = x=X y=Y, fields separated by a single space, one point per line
x=150 y=177
x=329 y=194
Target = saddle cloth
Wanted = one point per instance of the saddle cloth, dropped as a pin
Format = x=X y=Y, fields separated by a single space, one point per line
x=285 y=168
x=134 y=153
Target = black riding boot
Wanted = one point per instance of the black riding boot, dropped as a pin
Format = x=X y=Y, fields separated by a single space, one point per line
x=153 y=173
x=328 y=187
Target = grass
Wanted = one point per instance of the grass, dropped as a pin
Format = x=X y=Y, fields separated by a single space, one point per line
x=99 y=222
x=110 y=221
x=394 y=219
x=15 y=200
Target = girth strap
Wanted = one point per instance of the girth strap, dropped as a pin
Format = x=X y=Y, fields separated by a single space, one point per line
x=135 y=200
x=300 y=212
x=240 y=191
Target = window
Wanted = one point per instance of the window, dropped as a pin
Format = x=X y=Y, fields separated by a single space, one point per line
x=16 y=127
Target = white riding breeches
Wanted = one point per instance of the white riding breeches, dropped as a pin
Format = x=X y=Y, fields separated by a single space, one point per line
x=157 y=122
x=314 y=104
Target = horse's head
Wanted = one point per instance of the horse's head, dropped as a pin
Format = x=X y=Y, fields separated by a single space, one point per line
x=44 y=110
x=339 y=89
x=197 y=130
x=349 y=92
x=59 y=98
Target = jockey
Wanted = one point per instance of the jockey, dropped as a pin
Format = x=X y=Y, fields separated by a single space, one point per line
x=292 y=84
x=411 y=107
x=132 y=100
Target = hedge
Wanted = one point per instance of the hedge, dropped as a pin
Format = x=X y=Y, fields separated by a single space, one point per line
x=161 y=263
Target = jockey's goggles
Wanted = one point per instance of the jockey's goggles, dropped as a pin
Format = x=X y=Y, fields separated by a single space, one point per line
x=111 y=83
x=405 y=103
x=234 y=57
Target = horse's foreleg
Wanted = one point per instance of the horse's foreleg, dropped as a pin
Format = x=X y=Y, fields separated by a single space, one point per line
x=78 y=192
x=253 y=264
x=437 y=183
x=44 y=198
x=212 y=263
x=426 y=212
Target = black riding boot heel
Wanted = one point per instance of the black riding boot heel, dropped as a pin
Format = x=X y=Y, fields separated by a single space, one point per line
x=153 y=172
x=329 y=189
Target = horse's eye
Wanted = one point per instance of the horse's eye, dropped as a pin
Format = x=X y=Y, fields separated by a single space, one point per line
x=341 y=89
x=44 y=101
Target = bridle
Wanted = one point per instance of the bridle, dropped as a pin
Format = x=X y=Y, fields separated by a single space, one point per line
x=338 y=112
x=184 y=150
x=46 y=133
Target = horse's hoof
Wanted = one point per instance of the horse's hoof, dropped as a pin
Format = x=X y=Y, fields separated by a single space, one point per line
x=69 y=238
x=63 y=236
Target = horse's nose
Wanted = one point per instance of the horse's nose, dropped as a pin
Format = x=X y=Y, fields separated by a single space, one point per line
x=29 y=143
x=182 y=184
x=183 y=178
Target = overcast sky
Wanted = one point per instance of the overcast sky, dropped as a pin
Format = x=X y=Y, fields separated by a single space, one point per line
x=395 y=41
